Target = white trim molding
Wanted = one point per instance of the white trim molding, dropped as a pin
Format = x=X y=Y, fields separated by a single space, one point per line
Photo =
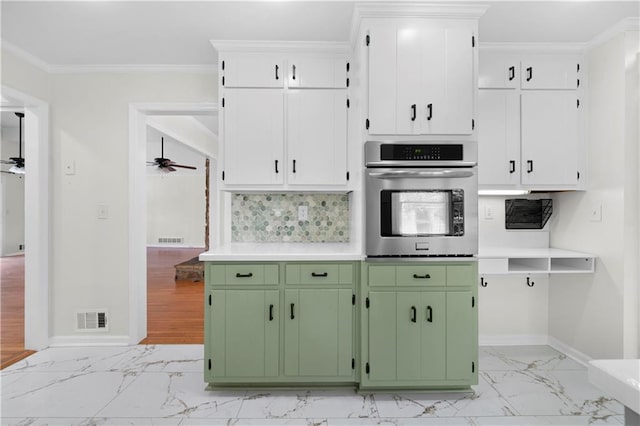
x=513 y=340
x=569 y=351
x=65 y=341
x=280 y=46
x=534 y=47
x=627 y=24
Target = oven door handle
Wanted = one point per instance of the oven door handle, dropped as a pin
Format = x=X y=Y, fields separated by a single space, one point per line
x=431 y=174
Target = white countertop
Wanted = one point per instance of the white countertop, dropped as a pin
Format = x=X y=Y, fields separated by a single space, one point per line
x=620 y=378
x=253 y=252
x=513 y=252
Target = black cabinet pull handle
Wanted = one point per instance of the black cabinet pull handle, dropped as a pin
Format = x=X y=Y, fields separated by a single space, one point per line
x=529 y=166
x=294 y=166
x=429 y=314
x=277 y=166
x=529 y=73
x=424 y=277
x=239 y=275
x=430 y=109
x=294 y=72
x=277 y=68
x=512 y=73
x=512 y=166
x=270 y=312
x=413 y=112
x=413 y=314
x=292 y=315
x=323 y=274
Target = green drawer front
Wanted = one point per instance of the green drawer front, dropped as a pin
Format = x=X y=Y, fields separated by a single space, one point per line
x=419 y=275
x=320 y=273
x=250 y=274
x=382 y=275
x=462 y=275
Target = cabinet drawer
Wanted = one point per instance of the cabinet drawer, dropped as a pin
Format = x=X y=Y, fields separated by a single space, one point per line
x=248 y=274
x=421 y=275
x=319 y=273
x=461 y=275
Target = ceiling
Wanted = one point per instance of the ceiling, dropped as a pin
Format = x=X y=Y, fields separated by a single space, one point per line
x=91 y=33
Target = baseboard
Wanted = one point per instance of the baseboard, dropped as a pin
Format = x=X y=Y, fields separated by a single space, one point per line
x=514 y=340
x=62 y=341
x=180 y=246
x=569 y=351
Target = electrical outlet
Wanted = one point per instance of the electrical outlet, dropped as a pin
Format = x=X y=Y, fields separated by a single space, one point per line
x=303 y=213
x=488 y=213
x=596 y=213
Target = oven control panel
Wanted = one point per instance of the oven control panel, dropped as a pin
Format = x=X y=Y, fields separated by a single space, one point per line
x=416 y=152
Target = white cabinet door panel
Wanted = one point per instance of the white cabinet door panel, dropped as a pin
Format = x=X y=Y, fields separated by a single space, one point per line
x=549 y=72
x=433 y=109
x=409 y=43
x=253 y=70
x=459 y=84
x=317 y=137
x=253 y=136
x=498 y=70
x=317 y=71
x=382 y=79
x=498 y=137
x=549 y=138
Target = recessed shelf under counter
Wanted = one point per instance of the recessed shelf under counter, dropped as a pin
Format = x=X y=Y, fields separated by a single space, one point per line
x=508 y=260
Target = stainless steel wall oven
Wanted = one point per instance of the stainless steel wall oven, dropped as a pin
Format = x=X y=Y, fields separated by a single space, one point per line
x=421 y=199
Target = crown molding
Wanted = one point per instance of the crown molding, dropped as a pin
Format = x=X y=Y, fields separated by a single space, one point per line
x=627 y=24
x=276 y=46
x=419 y=10
x=105 y=68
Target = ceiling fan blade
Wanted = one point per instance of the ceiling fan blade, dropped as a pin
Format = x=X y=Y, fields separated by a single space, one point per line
x=7 y=162
x=184 y=167
x=170 y=169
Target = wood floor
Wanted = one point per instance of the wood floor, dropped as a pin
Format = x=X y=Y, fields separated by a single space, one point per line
x=175 y=309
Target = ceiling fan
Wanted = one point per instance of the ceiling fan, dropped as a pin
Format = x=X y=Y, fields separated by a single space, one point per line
x=17 y=163
x=165 y=164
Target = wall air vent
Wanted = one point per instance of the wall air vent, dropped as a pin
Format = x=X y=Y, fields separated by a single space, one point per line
x=170 y=240
x=95 y=320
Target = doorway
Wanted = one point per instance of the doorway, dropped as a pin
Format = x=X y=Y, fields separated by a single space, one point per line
x=164 y=310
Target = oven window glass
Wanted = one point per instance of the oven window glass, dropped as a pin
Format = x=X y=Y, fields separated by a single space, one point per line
x=420 y=213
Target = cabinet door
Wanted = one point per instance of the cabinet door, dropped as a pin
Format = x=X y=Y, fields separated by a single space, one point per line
x=462 y=332
x=498 y=71
x=382 y=79
x=318 y=333
x=408 y=336
x=253 y=136
x=382 y=336
x=317 y=71
x=253 y=70
x=433 y=325
x=549 y=72
x=244 y=333
x=410 y=42
x=549 y=122
x=449 y=85
x=317 y=137
x=498 y=137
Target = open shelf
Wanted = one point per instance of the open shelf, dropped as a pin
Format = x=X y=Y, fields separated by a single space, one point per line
x=510 y=260
x=570 y=265
x=530 y=264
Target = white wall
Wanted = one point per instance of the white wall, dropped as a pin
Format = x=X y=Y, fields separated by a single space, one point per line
x=89 y=129
x=587 y=312
x=12 y=196
x=176 y=200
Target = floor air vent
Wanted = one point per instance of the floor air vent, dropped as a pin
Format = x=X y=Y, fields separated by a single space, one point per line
x=169 y=240
x=91 y=321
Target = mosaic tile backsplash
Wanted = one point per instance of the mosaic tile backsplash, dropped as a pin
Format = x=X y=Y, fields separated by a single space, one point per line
x=274 y=218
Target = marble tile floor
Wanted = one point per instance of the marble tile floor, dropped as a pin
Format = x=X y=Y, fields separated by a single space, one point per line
x=163 y=385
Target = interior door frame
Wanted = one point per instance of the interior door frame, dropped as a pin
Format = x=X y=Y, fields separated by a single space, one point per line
x=138 y=113
x=37 y=217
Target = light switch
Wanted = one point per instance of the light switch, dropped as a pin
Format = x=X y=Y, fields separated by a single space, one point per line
x=488 y=213
x=303 y=213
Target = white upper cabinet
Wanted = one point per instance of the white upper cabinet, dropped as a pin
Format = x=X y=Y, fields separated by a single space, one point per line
x=317 y=137
x=421 y=78
x=549 y=138
x=498 y=70
x=498 y=138
x=253 y=70
x=549 y=72
x=317 y=71
x=253 y=136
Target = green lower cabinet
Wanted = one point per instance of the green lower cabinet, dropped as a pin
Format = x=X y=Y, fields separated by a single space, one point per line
x=245 y=329
x=318 y=333
x=462 y=336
